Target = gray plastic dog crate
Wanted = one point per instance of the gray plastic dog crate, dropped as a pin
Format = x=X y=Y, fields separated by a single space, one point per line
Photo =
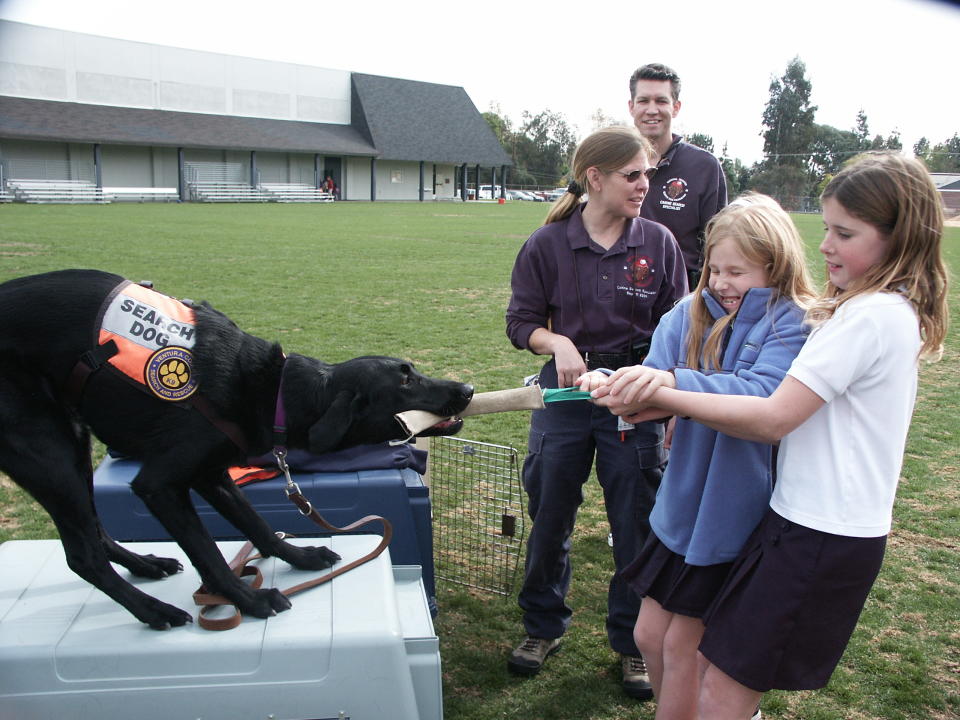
x=360 y=646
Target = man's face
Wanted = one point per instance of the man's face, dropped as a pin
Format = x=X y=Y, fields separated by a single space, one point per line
x=653 y=108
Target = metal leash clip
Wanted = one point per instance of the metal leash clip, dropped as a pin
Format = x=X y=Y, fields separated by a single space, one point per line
x=292 y=488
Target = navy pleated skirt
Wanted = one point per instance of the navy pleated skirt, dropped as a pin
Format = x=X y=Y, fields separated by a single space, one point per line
x=789 y=605
x=662 y=574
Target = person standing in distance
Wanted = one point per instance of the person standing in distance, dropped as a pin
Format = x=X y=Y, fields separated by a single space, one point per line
x=689 y=186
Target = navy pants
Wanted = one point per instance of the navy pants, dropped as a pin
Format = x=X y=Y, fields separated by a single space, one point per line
x=564 y=439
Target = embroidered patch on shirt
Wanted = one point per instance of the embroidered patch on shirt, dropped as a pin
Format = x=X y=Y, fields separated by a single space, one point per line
x=674 y=191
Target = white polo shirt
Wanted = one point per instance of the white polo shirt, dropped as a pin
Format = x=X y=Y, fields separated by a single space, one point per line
x=838 y=471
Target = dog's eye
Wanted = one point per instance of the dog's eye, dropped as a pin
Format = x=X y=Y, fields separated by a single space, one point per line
x=404 y=380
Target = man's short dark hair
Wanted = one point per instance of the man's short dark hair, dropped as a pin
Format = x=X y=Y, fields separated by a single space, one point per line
x=656 y=71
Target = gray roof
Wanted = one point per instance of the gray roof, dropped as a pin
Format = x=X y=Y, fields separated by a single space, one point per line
x=950 y=186
x=392 y=119
x=27 y=119
x=411 y=120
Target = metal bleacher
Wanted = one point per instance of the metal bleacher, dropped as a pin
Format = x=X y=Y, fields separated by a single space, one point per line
x=295 y=192
x=142 y=194
x=55 y=191
x=205 y=182
x=228 y=182
x=213 y=191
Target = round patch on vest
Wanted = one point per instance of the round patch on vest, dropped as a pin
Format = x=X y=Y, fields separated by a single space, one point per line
x=169 y=373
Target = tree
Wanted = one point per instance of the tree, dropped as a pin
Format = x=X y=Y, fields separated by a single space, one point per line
x=545 y=145
x=600 y=120
x=945 y=156
x=831 y=148
x=540 y=148
x=788 y=184
x=701 y=140
x=737 y=173
x=862 y=130
x=785 y=172
x=921 y=150
x=500 y=124
x=788 y=118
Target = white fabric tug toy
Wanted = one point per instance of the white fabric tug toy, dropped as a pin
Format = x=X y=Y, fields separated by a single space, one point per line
x=531 y=397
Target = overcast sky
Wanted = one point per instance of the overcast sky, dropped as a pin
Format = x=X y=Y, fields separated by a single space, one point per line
x=896 y=59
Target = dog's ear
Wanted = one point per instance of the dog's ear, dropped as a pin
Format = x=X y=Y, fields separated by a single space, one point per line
x=327 y=432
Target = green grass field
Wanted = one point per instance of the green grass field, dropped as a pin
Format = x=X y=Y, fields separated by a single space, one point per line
x=430 y=282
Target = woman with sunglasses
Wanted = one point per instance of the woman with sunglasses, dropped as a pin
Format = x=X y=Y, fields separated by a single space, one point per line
x=588 y=289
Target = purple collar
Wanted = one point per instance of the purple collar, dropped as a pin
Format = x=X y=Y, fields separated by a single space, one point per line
x=280 y=417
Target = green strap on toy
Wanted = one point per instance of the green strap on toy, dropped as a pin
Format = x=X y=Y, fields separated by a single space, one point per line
x=561 y=394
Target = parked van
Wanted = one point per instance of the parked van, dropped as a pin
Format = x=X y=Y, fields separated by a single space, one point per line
x=485 y=192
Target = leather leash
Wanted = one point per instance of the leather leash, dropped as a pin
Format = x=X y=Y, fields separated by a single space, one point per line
x=240 y=565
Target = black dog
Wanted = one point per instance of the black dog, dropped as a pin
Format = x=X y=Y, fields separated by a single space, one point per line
x=210 y=407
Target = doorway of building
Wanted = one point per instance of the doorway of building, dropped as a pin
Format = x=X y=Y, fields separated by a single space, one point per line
x=332 y=167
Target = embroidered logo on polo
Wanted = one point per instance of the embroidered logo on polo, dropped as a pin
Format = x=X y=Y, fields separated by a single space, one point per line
x=640 y=272
x=154 y=334
x=674 y=192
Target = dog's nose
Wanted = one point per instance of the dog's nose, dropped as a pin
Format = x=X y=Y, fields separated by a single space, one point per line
x=467 y=391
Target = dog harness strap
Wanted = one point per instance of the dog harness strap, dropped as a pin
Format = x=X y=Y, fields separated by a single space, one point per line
x=89 y=363
x=233 y=431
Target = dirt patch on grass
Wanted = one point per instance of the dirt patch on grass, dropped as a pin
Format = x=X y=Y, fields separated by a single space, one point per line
x=18 y=249
x=900 y=537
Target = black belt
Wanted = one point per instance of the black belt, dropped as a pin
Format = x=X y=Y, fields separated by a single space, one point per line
x=611 y=361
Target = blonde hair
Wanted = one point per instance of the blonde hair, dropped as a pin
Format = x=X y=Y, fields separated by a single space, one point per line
x=607 y=150
x=897 y=196
x=765 y=235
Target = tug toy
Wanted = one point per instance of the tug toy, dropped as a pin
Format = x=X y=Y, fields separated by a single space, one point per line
x=532 y=397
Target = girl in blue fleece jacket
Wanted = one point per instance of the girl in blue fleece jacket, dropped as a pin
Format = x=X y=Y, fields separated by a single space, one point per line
x=737 y=334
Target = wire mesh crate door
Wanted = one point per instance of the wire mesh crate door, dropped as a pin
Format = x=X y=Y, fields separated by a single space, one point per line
x=478 y=515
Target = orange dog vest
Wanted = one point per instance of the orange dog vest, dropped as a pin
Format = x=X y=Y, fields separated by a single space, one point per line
x=154 y=335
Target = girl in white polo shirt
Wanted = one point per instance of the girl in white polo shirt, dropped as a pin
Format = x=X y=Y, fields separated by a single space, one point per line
x=794 y=595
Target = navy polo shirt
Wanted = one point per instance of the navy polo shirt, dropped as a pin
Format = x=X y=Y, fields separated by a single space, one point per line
x=687 y=190
x=603 y=300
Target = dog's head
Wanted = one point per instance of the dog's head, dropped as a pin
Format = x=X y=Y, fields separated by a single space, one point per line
x=358 y=399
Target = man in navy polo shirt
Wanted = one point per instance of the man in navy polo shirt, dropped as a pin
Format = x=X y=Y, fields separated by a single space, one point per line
x=689 y=186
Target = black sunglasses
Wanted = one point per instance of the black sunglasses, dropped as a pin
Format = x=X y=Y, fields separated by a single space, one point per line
x=632 y=177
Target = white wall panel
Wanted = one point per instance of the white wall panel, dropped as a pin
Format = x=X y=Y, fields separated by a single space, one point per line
x=32 y=81
x=54 y=64
x=99 y=89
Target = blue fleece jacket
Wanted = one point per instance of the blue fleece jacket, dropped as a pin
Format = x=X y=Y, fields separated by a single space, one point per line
x=716 y=487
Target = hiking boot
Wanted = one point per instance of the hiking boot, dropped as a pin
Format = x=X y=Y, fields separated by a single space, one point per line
x=636 y=681
x=530 y=656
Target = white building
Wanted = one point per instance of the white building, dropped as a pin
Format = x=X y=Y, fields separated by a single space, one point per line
x=122 y=114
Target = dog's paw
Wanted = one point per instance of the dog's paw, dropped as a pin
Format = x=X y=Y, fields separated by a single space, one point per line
x=161 y=616
x=312 y=558
x=156 y=568
x=266 y=603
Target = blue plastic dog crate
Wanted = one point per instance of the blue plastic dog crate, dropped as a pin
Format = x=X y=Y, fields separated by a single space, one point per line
x=341 y=498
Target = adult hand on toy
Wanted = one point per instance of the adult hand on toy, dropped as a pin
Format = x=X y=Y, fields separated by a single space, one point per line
x=569 y=362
